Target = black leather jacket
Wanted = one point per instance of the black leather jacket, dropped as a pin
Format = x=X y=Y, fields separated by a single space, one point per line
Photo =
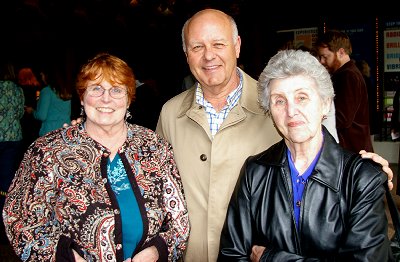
x=342 y=216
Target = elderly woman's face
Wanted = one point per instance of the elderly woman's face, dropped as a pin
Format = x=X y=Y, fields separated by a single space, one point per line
x=296 y=108
x=107 y=109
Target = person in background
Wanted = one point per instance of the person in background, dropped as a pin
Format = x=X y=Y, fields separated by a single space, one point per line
x=351 y=99
x=54 y=105
x=365 y=70
x=301 y=199
x=31 y=88
x=102 y=190
x=395 y=119
x=214 y=126
x=147 y=103
x=11 y=111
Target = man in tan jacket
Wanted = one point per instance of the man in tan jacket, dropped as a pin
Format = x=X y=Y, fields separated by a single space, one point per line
x=214 y=126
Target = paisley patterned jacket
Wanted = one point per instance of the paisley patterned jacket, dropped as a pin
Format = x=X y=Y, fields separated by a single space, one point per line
x=60 y=198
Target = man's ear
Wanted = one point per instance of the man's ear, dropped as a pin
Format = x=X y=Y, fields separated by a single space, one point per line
x=341 y=52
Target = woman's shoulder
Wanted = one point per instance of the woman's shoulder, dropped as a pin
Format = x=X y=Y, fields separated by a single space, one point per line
x=273 y=156
x=144 y=136
x=364 y=172
x=7 y=85
x=135 y=130
x=47 y=90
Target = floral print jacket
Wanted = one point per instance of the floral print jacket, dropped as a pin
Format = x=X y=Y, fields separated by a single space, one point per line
x=60 y=198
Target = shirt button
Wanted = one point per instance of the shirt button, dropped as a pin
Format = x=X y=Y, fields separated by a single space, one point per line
x=203 y=157
x=298 y=203
x=104 y=180
x=116 y=211
x=119 y=246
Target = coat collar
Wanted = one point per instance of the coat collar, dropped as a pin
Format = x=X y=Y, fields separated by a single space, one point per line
x=329 y=168
x=248 y=99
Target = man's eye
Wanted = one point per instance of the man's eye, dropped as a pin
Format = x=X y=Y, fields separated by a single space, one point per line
x=196 y=48
x=219 y=45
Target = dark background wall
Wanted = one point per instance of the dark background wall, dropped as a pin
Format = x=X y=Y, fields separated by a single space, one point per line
x=147 y=33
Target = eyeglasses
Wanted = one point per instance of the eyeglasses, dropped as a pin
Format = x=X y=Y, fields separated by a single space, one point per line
x=115 y=91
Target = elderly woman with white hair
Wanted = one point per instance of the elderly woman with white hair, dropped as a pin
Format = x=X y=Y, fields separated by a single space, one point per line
x=304 y=198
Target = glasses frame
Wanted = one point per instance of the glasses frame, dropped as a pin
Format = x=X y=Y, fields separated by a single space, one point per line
x=89 y=89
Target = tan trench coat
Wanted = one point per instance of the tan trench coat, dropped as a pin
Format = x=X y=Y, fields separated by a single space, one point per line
x=210 y=167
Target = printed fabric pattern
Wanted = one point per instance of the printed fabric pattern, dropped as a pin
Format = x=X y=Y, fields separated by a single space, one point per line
x=60 y=197
x=11 y=111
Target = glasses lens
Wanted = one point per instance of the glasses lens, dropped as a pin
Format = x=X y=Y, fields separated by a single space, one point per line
x=115 y=92
x=95 y=91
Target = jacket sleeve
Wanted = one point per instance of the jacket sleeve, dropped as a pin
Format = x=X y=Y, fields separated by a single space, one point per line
x=237 y=232
x=175 y=228
x=29 y=215
x=366 y=238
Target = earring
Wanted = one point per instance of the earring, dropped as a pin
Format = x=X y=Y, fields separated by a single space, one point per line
x=127 y=115
x=82 y=114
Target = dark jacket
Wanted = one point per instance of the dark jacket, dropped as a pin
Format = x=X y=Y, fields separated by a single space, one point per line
x=342 y=217
x=352 y=110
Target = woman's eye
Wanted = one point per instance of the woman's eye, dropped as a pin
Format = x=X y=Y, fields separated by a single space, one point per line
x=302 y=98
x=116 y=90
x=96 y=88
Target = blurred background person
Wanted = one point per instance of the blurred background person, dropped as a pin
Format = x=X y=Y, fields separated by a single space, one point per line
x=351 y=94
x=147 y=103
x=31 y=88
x=101 y=190
x=54 y=104
x=365 y=70
x=11 y=112
x=395 y=119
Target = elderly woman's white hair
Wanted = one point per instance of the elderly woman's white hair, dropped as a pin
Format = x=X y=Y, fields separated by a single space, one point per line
x=287 y=63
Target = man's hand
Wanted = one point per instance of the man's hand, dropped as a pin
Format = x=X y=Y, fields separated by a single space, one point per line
x=73 y=122
x=78 y=258
x=384 y=163
x=256 y=253
x=149 y=254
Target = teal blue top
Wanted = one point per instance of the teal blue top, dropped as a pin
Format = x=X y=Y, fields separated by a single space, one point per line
x=11 y=111
x=132 y=224
x=52 y=111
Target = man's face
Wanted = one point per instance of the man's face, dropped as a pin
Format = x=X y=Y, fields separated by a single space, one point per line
x=328 y=59
x=211 y=50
